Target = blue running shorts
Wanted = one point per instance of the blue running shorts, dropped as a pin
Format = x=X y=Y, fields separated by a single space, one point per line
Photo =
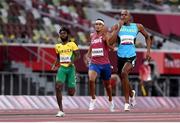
x=103 y=70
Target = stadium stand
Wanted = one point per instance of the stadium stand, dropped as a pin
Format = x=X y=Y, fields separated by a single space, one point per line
x=38 y=21
x=30 y=22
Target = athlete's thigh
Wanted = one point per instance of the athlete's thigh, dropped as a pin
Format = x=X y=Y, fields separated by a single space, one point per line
x=71 y=77
x=129 y=64
x=106 y=72
x=127 y=67
x=120 y=64
x=93 y=72
x=61 y=75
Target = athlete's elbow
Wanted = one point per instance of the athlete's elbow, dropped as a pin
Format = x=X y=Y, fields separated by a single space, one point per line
x=111 y=41
x=147 y=37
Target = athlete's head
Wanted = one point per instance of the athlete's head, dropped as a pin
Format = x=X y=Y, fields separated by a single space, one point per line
x=126 y=16
x=63 y=33
x=99 y=25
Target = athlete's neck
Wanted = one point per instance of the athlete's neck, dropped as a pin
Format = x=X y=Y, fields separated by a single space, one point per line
x=127 y=23
x=65 y=42
x=99 y=32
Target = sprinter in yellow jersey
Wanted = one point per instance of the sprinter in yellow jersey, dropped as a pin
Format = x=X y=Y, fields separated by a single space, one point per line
x=66 y=52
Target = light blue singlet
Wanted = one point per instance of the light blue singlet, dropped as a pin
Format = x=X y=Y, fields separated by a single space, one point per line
x=127 y=36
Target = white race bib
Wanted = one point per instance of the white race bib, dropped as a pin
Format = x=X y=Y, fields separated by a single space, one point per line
x=97 y=52
x=126 y=39
x=65 y=59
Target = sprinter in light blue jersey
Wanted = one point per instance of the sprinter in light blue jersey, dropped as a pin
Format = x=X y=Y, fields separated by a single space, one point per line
x=125 y=32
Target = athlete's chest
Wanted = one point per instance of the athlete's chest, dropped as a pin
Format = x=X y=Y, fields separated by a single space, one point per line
x=97 y=40
x=65 y=48
x=128 y=30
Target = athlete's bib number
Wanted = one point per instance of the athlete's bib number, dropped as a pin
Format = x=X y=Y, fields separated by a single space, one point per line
x=65 y=59
x=127 y=39
x=97 y=52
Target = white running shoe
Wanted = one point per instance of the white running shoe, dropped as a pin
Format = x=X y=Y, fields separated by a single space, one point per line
x=92 y=104
x=111 y=106
x=132 y=99
x=60 y=114
x=126 y=107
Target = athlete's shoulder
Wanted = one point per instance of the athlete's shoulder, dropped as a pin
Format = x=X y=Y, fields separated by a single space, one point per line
x=92 y=34
x=140 y=26
x=72 y=43
x=57 y=45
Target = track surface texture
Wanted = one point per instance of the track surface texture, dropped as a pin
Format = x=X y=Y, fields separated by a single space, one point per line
x=98 y=115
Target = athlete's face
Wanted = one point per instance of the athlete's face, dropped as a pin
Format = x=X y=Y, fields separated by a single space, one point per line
x=125 y=16
x=99 y=27
x=63 y=35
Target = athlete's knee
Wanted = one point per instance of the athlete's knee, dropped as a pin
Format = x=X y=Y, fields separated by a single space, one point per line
x=92 y=76
x=71 y=92
x=58 y=87
x=107 y=84
x=92 y=80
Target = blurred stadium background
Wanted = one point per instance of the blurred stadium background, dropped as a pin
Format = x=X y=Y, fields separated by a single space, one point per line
x=29 y=31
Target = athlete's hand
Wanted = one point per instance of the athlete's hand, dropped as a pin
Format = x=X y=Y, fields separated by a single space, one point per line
x=54 y=66
x=114 y=28
x=86 y=59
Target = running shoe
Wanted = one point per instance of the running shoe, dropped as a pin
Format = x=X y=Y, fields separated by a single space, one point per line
x=126 y=107
x=92 y=104
x=60 y=114
x=132 y=99
x=111 y=106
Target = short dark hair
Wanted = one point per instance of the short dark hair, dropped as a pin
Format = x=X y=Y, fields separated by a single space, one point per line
x=64 y=28
x=100 y=19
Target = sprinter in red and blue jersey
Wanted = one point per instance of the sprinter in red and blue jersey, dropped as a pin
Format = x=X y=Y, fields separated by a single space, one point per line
x=99 y=62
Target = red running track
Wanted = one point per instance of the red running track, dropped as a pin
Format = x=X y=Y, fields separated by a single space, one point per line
x=74 y=115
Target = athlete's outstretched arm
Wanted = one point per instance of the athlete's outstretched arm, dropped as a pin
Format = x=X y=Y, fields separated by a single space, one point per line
x=148 y=40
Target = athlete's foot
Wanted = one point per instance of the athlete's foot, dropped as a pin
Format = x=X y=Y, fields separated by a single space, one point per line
x=126 y=107
x=60 y=114
x=111 y=106
x=132 y=99
x=92 y=104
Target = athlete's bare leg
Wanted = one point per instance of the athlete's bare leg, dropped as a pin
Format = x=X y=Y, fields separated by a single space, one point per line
x=125 y=81
x=58 y=87
x=92 y=78
x=108 y=89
